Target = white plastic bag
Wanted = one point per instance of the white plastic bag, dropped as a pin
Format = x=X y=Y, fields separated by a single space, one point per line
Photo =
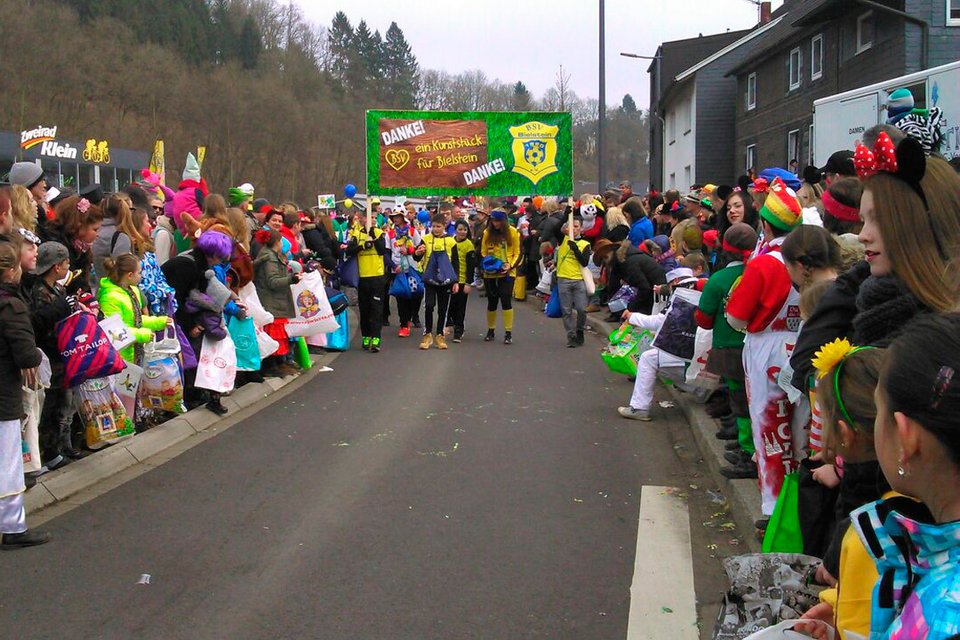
x=314 y=314
x=588 y=280
x=29 y=429
x=250 y=298
x=696 y=372
x=783 y=631
x=127 y=385
x=267 y=345
x=217 y=365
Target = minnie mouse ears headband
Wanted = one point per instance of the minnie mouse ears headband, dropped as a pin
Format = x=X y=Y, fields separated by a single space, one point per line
x=906 y=162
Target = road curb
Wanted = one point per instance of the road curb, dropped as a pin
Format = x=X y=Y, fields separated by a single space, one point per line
x=743 y=496
x=58 y=486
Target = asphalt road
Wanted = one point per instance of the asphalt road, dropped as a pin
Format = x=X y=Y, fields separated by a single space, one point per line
x=488 y=491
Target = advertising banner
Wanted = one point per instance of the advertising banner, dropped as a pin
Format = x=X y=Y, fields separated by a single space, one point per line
x=424 y=153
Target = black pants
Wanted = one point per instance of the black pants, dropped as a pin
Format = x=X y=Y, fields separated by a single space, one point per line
x=370 y=301
x=438 y=297
x=458 y=311
x=387 y=280
x=407 y=309
x=499 y=290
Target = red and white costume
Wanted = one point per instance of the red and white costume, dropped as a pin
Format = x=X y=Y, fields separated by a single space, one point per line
x=768 y=306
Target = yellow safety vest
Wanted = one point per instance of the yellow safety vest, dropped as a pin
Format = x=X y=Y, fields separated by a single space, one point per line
x=568 y=266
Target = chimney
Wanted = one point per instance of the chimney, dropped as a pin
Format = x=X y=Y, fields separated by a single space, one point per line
x=764 y=12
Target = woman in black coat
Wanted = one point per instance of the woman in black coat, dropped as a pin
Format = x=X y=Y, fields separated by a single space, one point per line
x=628 y=265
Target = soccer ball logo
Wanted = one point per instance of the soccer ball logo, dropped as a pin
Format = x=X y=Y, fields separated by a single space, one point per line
x=534 y=151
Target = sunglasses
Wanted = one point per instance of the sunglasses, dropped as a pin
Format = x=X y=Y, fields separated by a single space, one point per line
x=158 y=209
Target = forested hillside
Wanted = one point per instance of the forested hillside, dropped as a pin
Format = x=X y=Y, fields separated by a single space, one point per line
x=278 y=101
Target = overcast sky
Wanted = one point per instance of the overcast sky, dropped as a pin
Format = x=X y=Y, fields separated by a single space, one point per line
x=528 y=40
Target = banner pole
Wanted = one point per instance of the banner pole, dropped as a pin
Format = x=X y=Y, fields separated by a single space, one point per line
x=570 y=218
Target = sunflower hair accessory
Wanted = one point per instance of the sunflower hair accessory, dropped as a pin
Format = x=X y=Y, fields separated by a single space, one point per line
x=834 y=355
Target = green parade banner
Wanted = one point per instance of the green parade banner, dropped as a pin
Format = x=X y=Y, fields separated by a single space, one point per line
x=454 y=153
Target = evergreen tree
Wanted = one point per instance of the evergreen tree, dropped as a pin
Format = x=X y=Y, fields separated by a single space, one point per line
x=521 y=97
x=340 y=47
x=250 y=45
x=629 y=106
x=401 y=72
x=363 y=68
x=225 y=38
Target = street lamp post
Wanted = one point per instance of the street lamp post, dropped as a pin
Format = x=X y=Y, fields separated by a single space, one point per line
x=601 y=116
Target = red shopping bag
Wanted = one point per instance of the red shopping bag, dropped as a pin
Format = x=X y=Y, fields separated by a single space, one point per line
x=86 y=349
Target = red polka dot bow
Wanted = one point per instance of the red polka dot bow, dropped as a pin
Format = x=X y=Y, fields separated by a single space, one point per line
x=883 y=157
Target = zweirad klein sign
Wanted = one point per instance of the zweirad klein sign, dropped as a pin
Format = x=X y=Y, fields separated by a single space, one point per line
x=423 y=153
x=95 y=151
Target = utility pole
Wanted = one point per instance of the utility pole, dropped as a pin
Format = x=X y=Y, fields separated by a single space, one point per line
x=601 y=116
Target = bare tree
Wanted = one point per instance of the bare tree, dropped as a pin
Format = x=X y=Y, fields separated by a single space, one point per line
x=563 y=89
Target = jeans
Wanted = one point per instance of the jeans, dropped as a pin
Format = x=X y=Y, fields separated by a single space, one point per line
x=370 y=301
x=573 y=297
x=438 y=297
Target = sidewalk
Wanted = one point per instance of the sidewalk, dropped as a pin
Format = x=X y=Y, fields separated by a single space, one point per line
x=187 y=430
x=743 y=496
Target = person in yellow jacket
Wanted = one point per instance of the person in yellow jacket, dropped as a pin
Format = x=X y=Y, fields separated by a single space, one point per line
x=847 y=378
x=500 y=246
x=571 y=257
x=466 y=264
x=119 y=293
x=440 y=280
x=369 y=246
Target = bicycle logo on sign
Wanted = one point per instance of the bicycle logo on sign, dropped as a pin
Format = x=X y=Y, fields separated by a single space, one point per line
x=98 y=152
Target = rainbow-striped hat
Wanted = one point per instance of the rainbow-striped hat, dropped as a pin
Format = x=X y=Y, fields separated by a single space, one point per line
x=781 y=208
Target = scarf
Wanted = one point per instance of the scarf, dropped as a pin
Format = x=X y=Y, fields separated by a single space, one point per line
x=884 y=307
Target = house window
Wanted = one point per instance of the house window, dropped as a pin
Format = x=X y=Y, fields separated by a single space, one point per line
x=672 y=126
x=751 y=158
x=795 y=60
x=751 y=91
x=865 y=29
x=816 y=57
x=673 y=181
x=687 y=177
x=793 y=146
x=811 y=158
x=687 y=118
x=953 y=13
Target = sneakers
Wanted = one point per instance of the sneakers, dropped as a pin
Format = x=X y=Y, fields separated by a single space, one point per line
x=580 y=338
x=374 y=345
x=490 y=336
x=634 y=414
x=572 y=342
x=427 y=342
x=457 y=337
x=24 y=540
x=736 y=457
x=508 y=337
x=404 y=331
x=441 y=341
x=366 y=344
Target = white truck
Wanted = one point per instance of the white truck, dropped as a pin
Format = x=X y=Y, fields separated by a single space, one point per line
x=840 y=120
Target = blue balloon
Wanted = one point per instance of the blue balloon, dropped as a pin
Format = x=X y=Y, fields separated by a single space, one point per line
x=350 y=191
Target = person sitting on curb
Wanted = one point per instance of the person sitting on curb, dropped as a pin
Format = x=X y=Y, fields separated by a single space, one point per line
x=653 y=360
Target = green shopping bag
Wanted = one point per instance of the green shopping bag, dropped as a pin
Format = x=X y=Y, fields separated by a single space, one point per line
x=626 y=345
x=783 y=531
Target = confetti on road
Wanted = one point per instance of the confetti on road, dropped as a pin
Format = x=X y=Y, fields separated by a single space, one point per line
x=666 y=610
x=666 y=404
x=144 y=578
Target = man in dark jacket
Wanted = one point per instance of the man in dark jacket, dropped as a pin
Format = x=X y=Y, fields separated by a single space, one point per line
x=628 y=265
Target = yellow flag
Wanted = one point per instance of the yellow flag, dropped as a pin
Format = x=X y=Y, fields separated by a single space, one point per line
x=156 y=161
x=201 y=154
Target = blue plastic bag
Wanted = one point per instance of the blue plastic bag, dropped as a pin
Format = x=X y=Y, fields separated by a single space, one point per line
x=339 y=340
x=554 y=308
x=348 y=272
x=407 y=284
x=338 y=300
x=244 y=336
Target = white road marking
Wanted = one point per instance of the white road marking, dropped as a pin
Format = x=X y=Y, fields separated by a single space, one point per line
x=663 y=602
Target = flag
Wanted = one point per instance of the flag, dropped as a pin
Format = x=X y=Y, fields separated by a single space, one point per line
x=156 y=161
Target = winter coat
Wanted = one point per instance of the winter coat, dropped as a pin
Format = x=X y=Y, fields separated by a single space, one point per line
x=317 y=241
x=110 y=242
x=114 y=299
x=918 y=594
x=48 y=306
x=79 y=260
x=164 y=241
x=273 y=281
x=208 y=314
x=552 y=228
x=185 y=273
x=18 y=350
x=629 y=265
